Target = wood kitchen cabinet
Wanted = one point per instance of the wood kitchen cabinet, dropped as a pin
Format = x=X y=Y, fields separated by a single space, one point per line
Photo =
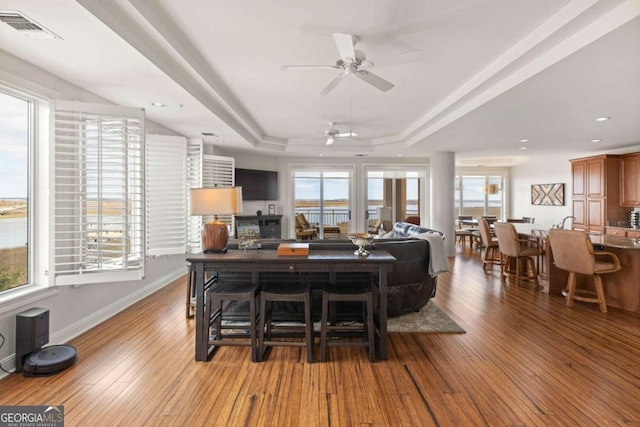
x=634 y=234
x=596 y=192
x=630 y=180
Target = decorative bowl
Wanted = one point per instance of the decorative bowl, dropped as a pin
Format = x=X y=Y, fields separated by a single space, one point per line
x=361 y=240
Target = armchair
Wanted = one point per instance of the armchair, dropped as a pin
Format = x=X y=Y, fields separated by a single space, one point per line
x=304 y=230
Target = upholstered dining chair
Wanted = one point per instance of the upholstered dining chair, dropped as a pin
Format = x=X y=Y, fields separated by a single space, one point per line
x=463 y=232
x=573 y=251
x=519 y=250
x=492 y=255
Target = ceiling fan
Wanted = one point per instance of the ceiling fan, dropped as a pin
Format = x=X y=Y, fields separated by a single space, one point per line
x=352 y=63
x=332 y=134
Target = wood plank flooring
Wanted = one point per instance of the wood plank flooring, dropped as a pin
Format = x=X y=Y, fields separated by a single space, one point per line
x=526 y=360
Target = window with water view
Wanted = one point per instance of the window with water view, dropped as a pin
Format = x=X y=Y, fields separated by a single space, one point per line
x=14 y=184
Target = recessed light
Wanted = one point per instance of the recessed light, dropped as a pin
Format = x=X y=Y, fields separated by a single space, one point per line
x=157 y=104
x=596 y=140
x=399 y=155
x=524 y=140
x=602 y=119
x=523 y=148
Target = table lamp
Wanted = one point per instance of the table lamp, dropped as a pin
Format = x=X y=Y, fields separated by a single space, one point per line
x=215 y=201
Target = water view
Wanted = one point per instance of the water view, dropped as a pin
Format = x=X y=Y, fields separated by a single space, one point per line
x=13 y=232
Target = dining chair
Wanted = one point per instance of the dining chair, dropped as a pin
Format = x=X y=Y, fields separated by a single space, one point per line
x=463 y=231
x=518 y=251
x=573 y=252
x=492 y=255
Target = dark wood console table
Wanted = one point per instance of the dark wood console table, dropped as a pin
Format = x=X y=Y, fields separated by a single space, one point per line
x=378 y=262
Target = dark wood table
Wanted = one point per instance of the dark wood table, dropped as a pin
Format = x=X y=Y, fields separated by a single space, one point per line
x=378 y=262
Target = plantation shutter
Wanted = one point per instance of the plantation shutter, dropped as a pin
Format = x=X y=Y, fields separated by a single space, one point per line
x=166 y=194
x=218 y=171
x=206 y=171
x=97 y=193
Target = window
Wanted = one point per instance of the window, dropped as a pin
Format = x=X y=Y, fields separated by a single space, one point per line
x=323 y=196
x=397 y=188
x=479 y=195
x=16 y=131
x=98 y=193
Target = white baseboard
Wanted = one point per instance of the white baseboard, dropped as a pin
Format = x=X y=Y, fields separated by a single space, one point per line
x=66 y=334
x=80 y=327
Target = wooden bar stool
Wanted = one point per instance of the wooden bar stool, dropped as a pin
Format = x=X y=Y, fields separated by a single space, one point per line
x=329 y=333
x=214 y=312
x=291 y=292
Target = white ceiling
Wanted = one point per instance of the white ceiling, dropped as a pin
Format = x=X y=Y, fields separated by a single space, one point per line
x=473 y=77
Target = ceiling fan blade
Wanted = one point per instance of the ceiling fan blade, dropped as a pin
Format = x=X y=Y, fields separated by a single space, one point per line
x=347 y=135
x=345 y=43
x=333 y=83
x=310 y=67
x=374 y=80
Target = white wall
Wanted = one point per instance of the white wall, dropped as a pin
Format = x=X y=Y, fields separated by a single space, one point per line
x=540 y=170
x=283 y=164
x=73 y=310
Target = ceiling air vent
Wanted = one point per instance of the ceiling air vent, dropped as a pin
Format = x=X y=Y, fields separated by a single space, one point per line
x=26 y=25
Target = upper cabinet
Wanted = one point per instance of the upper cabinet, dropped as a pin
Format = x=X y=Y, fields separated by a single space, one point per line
x=630 y=180
x=596 y=192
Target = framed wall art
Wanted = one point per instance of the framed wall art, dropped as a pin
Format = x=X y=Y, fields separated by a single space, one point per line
x=547 y=194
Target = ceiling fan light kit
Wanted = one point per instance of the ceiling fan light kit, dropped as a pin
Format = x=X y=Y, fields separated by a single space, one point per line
x=351 y=63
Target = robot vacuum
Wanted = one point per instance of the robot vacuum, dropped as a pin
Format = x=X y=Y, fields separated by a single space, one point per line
x=50 y=360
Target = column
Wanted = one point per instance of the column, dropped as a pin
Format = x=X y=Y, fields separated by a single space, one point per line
x=442 y=180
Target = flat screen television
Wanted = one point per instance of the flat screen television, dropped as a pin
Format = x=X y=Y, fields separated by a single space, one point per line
x=257 y=184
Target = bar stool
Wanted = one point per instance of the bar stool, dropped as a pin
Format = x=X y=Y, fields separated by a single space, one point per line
x=344 y=292
x=214 y=312
x=191 y=291
x=293 y=292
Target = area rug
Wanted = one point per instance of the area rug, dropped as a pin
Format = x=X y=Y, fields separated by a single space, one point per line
x=430 y=318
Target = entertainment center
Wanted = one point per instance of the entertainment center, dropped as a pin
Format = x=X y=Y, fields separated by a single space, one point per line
x=270 y=225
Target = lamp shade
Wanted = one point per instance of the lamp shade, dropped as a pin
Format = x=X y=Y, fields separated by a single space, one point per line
x=384 y=214
x=218 y=201
x=215 y=201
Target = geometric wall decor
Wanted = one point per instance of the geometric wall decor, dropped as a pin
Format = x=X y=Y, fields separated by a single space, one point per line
x=547 y=194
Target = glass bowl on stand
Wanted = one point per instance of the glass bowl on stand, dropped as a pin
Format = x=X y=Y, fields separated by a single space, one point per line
x=361 y=240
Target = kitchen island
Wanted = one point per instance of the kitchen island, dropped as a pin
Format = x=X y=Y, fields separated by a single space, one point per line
x=622 y=288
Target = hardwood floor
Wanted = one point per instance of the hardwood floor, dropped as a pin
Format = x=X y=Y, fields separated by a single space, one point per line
x=525 y=359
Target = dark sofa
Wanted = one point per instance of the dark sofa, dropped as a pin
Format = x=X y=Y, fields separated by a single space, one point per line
x=409 y=284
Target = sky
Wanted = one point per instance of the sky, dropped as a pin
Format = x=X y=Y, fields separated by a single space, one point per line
x=14 y=119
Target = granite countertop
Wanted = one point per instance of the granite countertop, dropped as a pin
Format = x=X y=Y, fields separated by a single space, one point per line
x=623 y=227
x=597 y=239
x=615 y=241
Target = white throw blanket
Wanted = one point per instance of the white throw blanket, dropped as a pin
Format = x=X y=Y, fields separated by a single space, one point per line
x=438 y=261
